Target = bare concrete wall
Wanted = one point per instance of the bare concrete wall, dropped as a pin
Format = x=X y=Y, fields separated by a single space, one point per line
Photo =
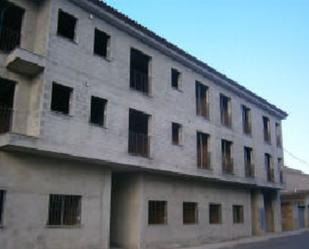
x=73 y=64
x=126 y=211
x=129 y=220
x=29 y=181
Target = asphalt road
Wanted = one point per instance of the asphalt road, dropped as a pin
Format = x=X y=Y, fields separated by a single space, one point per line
x=292 y=242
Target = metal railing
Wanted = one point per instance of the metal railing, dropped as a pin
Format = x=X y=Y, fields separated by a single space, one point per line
x=228 y=165
x=6 y=115
x=139 y=144
x=249 y=170
x=139 y=81
x=203 y=160
x=247 y=128
x=271 y=175
x=9 y=39
x=267 y=136
x=281 y=177
x=202 y=109
x=226 y=119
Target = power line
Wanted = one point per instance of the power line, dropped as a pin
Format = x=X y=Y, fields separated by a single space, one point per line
x=296 y=157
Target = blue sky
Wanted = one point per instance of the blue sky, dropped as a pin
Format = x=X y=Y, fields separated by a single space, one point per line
x=262 y=44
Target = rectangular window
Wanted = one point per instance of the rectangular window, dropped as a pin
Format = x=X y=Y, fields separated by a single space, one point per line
x=175 y=78
x=280 y=169
x=66 y=25
x=98 y=106
x=266 y=128
x=139 y=71
x=278 y=135
x=157 y=212
x=227 y=160
x=249 y=167
x=64 y=210
x=176 y=133
x=202 y=100
x=139 y=141
x=203 y=154
x=2 y=197
x=215 y=215
x=61 y=98
x=269 y=168
x=246 y=120
x=225 y=111
x=7 y=92
x=11 y=25
x=101 y=43
x=238 y=214
x=190 y=213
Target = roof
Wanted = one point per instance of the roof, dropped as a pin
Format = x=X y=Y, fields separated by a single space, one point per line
x=183 y=53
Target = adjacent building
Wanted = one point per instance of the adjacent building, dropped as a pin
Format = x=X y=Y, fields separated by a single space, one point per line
x=295 y=200
x=112 y=136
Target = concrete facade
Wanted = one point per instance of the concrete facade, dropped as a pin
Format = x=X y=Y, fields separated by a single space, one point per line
x=74 y=156
x=295 y=200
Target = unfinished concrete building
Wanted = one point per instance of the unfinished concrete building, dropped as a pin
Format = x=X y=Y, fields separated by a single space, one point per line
x=295 y=200
x=112 y=136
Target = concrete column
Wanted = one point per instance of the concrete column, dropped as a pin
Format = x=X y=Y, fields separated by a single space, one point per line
x=257 y=212
x=106 y=206
x=276 y=206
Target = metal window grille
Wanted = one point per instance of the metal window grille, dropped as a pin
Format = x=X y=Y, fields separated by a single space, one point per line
x=64 y=210
x=246 y=119
x=157 y=212
x=266 y=126
x=190 y=213
x=227 y=161
x=202 y=101
x=203 y=155
x=215 y=214
x=225 y=111
x=238 y=214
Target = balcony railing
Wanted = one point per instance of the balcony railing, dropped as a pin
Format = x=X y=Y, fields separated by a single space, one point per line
x=9 y=39
x=139 y=144
x=203 y=160
x=6 y=115
x=249 y=170
x=139 y=81
x=227 y=165
x=202 y=109
x=267 y=136
x=281 y=177
x=247 y=128
x=271 y=175
x=226 y=119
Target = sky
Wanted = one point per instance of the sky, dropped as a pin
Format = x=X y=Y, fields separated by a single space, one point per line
x=262 y=44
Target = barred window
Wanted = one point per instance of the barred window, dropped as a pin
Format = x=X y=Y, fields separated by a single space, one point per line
x=2 y=196
x=157 y=212
x=64 y=210
x=238 y=214
x=190 y=213
x=215 y=214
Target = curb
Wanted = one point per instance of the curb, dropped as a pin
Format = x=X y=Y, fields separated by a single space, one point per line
x=249 y=240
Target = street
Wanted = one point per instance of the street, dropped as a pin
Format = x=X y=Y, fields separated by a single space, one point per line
x=291 y=242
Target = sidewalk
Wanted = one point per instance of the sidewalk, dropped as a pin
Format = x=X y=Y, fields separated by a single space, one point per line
x=253 y=239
